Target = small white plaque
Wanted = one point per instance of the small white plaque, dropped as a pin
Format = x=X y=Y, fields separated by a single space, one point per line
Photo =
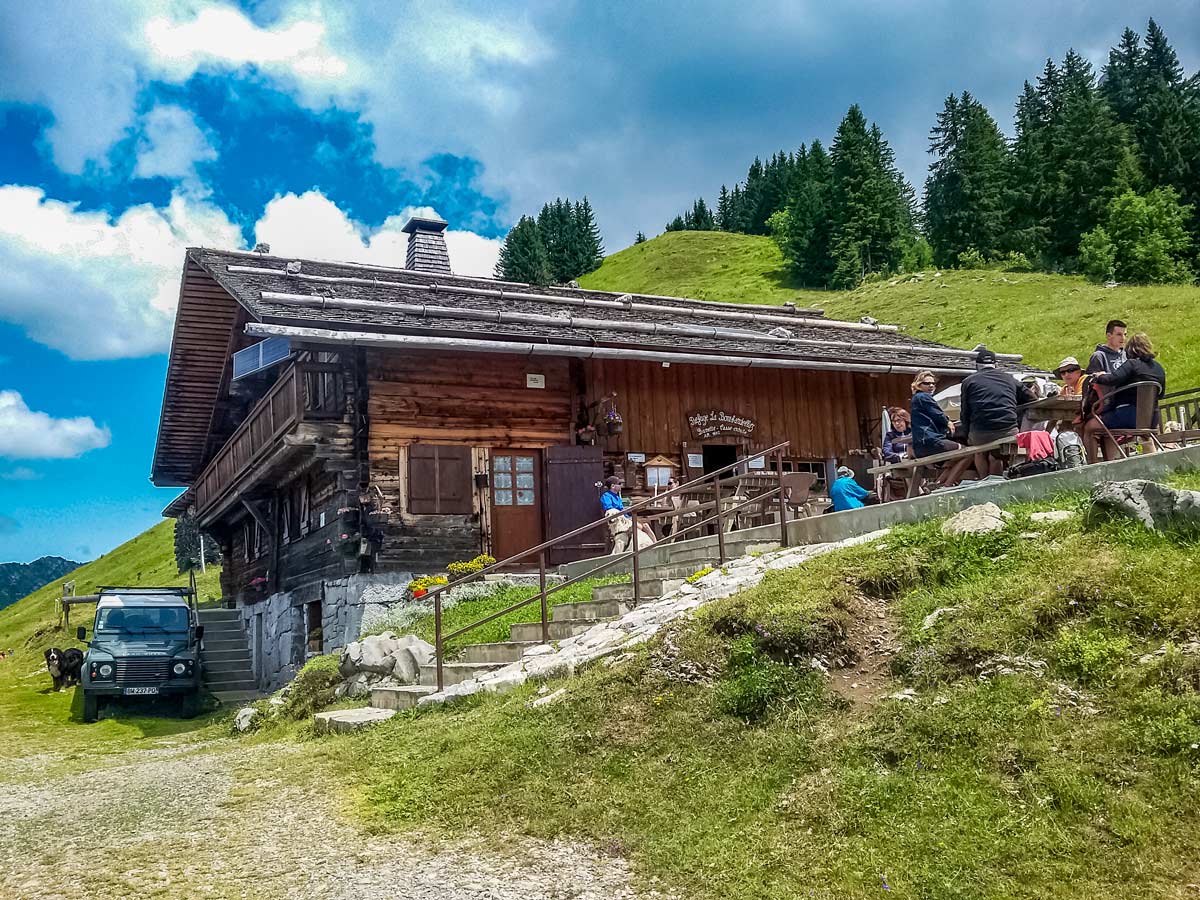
x=758 y=462
x=695 y=460
x=535 y=381
x=636 y=457
x=322 y=525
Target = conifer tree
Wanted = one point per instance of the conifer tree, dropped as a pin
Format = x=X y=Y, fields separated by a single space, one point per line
x=640 y=239
x=1122 y=84
x=965 y=194
x=810 y=220
x=723 y=219
x=587 y=250
x=523 y=255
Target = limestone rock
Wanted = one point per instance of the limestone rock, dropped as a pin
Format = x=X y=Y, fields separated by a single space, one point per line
x=1154 y=505
x=245 y=719
x=983 y=518
x=549 y=698
x=930 y=620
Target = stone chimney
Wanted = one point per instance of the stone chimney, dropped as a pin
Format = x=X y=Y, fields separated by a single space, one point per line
x=426 y=246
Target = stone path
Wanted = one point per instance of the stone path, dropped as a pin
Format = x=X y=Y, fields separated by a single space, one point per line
x=231 y=821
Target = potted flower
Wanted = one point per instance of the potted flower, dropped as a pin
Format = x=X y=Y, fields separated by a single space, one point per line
x=613 y=422
x=586 y=434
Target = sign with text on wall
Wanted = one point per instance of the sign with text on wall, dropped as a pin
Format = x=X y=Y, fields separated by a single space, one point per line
x=718 y=422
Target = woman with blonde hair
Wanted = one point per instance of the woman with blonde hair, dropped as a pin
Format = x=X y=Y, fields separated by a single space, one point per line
x=931 y=428
x=1119 y=407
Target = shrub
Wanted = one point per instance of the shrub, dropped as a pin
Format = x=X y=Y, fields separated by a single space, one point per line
x=1167 y=725
x=698 y=574
x=754 y=685
x=312 y=688
x=971 y=259
x=1092 y=656
x=1015 y=261
x=1098 y=255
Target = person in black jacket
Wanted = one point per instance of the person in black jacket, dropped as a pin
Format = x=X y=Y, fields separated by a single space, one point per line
x=989 y=408
x=1119 y=406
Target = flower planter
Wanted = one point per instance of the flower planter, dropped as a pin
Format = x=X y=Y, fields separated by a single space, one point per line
x=419 y=593
x=615 y=428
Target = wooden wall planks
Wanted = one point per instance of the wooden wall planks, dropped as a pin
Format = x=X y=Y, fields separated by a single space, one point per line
x=819 y=412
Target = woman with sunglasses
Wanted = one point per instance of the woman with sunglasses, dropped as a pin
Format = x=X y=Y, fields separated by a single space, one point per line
x=931 y=427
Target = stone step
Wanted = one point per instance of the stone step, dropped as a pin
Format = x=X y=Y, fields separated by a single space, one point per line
x=652 y=589
x=499 y=652
x=207 y=616
x=606 y=608
x=215 y=656
x=229 y=681
x=222 y=666
x=223 y=635
x=532 y=631
x=219 y=645
x=342 y=721
x=674 y=572
x=230 y=697
x=455 y=672
x=402 y=697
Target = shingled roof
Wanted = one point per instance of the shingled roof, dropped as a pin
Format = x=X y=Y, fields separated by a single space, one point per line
x=364 y=304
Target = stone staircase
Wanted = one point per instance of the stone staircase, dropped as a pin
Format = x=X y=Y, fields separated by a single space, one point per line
x=225 y=656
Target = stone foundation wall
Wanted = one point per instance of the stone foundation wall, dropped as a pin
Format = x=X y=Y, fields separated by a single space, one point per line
x=277 y=630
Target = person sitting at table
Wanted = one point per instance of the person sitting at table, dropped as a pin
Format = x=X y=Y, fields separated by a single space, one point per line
x=620 y=524
x=899 y=437
x=989 y=401
x=846 y=493
x=1118 y=409
x=1070 y=373
x=931 y=427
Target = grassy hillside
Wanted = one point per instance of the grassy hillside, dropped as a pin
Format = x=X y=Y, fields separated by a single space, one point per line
x=1045 y=317
x=1044 y=747
x=35 y=717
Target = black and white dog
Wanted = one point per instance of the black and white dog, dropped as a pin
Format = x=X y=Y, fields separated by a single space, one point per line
x=65 y=666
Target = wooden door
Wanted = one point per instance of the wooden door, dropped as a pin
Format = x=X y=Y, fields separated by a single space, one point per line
x=516 y=504
x=573 y=501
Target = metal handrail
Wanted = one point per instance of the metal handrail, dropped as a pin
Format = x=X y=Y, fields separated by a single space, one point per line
x=709 y=480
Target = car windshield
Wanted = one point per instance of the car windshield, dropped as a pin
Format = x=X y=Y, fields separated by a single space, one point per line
x=143 y=619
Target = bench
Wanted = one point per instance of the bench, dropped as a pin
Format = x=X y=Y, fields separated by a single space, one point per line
x=914 y=469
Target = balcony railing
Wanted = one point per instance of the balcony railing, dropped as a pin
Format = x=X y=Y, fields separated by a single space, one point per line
x=308 y=392
x=1182 y=407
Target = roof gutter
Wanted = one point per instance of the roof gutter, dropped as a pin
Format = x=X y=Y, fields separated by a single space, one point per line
x=411 y=342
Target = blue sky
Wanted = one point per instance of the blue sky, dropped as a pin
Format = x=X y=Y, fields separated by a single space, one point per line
x=320 y=126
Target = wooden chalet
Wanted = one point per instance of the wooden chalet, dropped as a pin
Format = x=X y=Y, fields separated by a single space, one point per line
x=328 y=419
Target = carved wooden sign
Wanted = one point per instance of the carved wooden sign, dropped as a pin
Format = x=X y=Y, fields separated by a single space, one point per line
x=717 y=422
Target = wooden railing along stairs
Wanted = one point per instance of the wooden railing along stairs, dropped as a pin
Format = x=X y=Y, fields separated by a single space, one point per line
x=649 y=581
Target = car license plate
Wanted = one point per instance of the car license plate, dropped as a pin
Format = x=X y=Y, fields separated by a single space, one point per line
x=136 y=691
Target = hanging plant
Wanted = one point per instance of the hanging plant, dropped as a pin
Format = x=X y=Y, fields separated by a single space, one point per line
x=587 y=434
x=613 y=423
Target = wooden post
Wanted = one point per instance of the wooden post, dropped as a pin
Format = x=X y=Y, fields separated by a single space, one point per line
x=437 y=636
x=720 y=521
x=637 y=574
x=545 y=606
x=783 y=529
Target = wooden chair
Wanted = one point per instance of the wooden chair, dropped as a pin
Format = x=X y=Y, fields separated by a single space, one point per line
x=1146 y=423
x=797 y=491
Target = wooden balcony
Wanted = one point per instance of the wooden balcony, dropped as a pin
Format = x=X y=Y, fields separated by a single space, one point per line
x=306 y=394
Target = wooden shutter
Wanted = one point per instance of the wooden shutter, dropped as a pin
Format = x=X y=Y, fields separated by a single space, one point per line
x=572 y=501
x=439 y=479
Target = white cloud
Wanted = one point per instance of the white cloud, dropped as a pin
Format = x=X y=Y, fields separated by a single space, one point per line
x=20 y=473
x=310 y=225
x=171 y=144
x=27 y=434
x=92 y=286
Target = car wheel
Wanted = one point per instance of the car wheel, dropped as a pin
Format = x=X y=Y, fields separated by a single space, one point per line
x=91 y=707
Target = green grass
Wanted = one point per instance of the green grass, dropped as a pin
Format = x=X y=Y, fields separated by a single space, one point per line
x=1044 y=317
x=497 y=630
x=752 y=781
x=38 y=720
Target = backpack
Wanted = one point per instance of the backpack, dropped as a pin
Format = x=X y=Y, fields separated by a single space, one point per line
x=1033 y=467
x=1068 y=448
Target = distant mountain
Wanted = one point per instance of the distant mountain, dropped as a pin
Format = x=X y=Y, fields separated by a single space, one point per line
x=19 y=579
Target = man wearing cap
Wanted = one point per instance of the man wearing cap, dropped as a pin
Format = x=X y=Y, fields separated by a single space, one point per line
x=845 y=492
x=989 y=408
x=1070 y=373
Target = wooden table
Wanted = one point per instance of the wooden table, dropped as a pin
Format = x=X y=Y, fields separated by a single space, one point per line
x=1052 y=409
x=1005 y=447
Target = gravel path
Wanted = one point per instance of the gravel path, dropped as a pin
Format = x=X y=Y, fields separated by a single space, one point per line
x=235 y=821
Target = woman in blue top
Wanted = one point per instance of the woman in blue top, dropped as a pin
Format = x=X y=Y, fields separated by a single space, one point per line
x=845 y=492
x=611 y=498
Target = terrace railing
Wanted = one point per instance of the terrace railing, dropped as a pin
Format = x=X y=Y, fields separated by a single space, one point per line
x=304 y=392
x=1182 y=407
x=715 y=512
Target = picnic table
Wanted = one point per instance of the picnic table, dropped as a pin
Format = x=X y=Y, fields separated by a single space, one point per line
x=915 y=469
x=1052 y=409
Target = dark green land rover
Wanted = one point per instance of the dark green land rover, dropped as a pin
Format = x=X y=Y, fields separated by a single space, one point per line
x=145 y=643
